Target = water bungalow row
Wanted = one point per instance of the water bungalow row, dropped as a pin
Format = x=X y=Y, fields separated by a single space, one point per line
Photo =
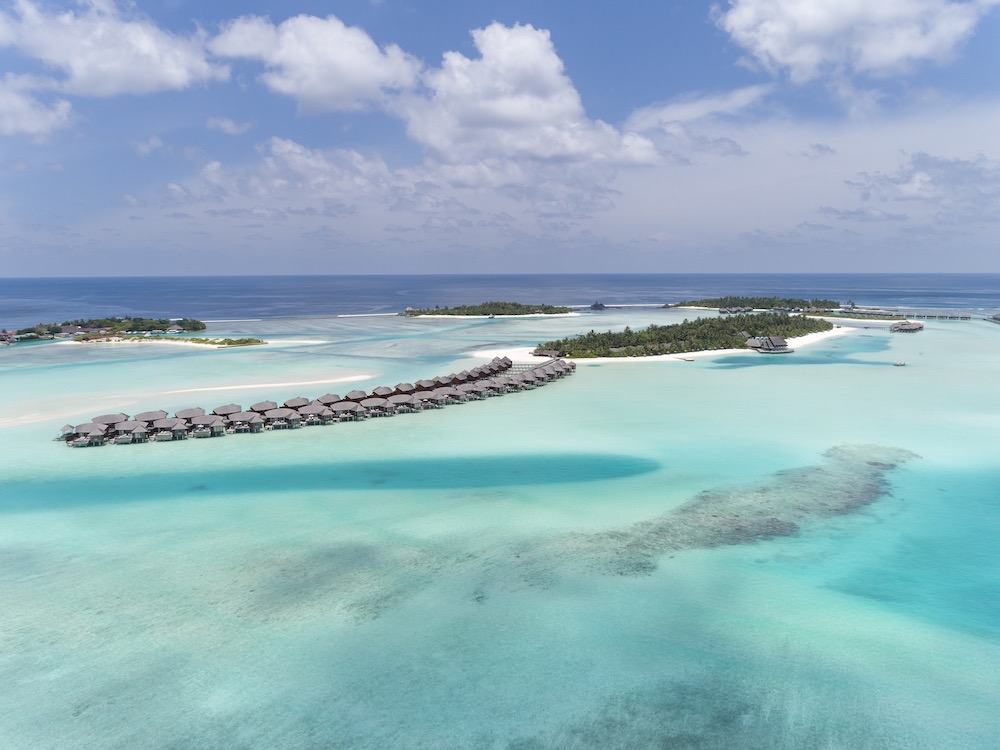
x=495 y=378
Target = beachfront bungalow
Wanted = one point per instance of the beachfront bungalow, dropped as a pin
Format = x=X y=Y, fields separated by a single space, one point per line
x=769 y=345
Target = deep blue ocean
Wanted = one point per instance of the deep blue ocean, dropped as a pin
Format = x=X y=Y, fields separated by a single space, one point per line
x=27 y=301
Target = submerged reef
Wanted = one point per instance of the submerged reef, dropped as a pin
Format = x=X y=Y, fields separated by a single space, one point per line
x=848 y=478
x=365 y=578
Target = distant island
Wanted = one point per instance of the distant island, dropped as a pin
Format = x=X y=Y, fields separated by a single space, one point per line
x=492 y=308
x=106 y=326
x=745 y=304
x=701 y=334
x=111 y=338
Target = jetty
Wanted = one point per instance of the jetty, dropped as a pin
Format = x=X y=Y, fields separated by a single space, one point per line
x=495 y=378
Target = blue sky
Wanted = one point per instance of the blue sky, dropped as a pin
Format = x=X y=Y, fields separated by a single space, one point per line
x=468 y=136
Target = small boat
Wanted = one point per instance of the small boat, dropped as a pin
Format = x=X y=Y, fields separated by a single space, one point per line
x=899 y=364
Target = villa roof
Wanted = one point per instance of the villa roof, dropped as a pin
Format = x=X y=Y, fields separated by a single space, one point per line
x=110 y=418
x=150 y=416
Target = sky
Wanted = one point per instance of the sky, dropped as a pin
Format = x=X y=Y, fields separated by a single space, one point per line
x=175 y=137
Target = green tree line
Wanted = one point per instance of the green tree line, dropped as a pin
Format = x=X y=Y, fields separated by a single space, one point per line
x=701 y=334
x=117 y=325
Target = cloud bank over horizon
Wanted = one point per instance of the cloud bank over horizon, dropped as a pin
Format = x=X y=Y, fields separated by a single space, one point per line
x=818 y=136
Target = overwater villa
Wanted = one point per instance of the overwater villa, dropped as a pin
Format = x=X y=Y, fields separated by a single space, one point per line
x=494 y=378
x=906 y=326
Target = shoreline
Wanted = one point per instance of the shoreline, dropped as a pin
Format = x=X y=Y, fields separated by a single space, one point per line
x=523 y=355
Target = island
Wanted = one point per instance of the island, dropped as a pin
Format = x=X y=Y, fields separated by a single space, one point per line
x=118 y=338
x=491 y=309
x=747 y=304
x=701 y=334
x=107 y=327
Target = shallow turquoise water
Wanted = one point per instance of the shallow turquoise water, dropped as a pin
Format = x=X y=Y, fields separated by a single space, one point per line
x=463 y=577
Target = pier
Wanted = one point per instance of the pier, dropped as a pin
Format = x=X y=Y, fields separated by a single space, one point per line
x=495 y=378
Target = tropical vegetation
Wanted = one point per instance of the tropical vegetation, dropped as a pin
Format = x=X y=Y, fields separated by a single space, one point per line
x=701 y=334
x=116 y=325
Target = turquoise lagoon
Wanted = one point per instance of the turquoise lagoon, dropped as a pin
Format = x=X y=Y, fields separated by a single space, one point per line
x=560 y=568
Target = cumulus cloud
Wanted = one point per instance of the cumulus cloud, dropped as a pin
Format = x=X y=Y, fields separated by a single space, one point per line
x=957 y=190
x=227 y=125
x=515 y=100
x=322 y=63
x=24 y=114
x=103 y=51
x=810 y=38
x=148 y=146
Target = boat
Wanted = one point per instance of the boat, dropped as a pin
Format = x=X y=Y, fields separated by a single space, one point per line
x=899 y=364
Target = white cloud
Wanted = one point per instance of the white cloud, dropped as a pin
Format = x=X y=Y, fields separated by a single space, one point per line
x=321 y=62
x=514 y=101
x=861 y=214
x=23 y=114
x=104 y=52
x=227 y=125
x=958 y=191
x=692 y=108
x=810 y=38
x=148 y=146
